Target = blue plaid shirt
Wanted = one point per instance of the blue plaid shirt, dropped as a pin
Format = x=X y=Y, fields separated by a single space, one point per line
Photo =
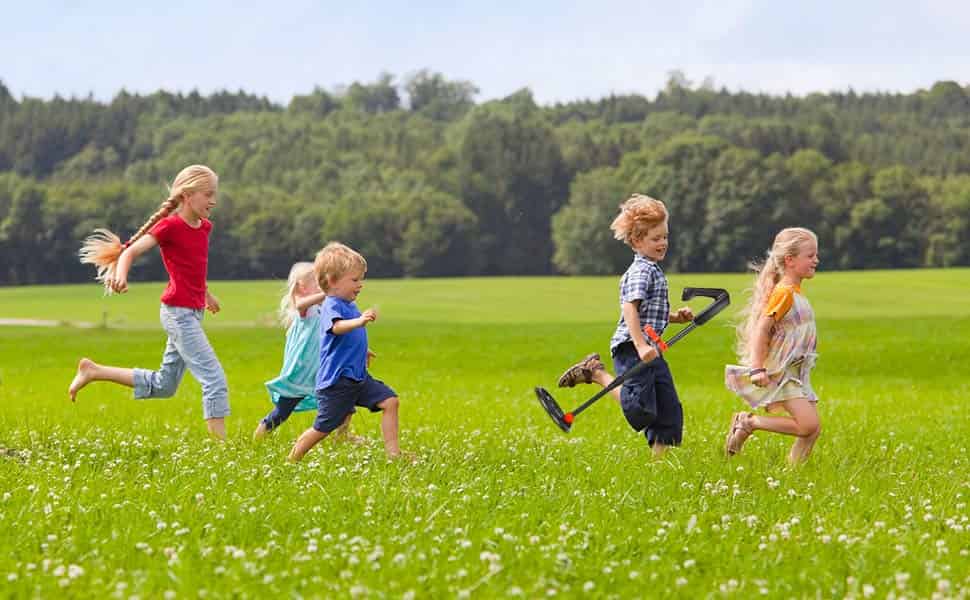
x=643 y=281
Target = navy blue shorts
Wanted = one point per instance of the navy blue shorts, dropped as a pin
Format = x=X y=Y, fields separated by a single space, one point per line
x=649 y=399
x=336 y=402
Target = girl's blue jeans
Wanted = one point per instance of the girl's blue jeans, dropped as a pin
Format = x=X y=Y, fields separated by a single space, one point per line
x=187 y=348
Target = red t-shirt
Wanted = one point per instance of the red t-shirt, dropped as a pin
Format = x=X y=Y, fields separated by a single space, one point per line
x=185 y=252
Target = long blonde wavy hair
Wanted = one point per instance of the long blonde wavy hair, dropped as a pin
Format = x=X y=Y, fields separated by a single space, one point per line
x=103 y=248
x=788 y=242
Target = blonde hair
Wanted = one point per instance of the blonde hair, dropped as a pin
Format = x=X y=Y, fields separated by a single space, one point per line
x=103 y=248
x=299 y=273
x=788 y=242
x=336 y=260
x=637 y=216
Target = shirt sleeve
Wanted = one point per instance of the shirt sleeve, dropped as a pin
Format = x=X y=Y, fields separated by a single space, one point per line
x=336 y=311
x=160 y=231
x=637 y=286
x=780 y=302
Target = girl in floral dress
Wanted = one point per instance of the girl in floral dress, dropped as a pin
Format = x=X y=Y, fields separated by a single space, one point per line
x=776 y=349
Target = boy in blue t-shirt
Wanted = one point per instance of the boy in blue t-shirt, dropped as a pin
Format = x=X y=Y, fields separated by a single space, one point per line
x=342 y=379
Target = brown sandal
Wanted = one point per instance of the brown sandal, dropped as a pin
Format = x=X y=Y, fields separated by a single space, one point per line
x=738 y=433
x=581 y=372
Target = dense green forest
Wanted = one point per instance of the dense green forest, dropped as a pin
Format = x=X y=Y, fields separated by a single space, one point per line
x=425 y=181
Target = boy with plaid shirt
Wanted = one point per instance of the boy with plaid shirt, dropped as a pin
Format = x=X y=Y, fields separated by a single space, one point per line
x=649 y=399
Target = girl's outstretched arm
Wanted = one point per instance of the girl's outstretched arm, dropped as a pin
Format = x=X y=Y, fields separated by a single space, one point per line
x=305 y=302
x=119 y=283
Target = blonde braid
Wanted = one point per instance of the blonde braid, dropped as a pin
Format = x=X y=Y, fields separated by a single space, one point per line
x=103 y=248
x=170 y=204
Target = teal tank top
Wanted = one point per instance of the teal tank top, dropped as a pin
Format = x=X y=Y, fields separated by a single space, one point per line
x=301 y=354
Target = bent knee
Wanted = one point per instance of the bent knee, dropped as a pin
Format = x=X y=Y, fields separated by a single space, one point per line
x=809 y=430
x=166 y=389
x=391 y=403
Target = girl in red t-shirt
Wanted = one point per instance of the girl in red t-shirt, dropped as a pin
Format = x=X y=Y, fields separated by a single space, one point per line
x=180 y=228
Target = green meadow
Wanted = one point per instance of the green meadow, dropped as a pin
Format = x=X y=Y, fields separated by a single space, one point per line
x=111 y=497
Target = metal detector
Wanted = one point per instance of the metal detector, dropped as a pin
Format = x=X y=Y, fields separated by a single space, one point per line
x=565 y=420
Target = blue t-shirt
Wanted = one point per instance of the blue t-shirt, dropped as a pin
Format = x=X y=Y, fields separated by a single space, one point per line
x=341 y=355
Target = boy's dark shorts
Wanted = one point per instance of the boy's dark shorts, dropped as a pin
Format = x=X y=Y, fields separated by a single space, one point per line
x=334 y=403
x=649 y=399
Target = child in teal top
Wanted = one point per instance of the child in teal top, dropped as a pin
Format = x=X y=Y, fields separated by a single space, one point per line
x=293 y=389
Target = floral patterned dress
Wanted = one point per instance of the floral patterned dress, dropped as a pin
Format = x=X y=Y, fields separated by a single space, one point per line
x=791 y=353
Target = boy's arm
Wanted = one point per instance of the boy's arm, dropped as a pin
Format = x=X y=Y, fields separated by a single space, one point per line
x=342 y=326
x=307 y=301
x=119 y=283
x=631 y=316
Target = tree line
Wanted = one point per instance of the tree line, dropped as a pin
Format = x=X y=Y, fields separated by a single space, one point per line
x=425 y=181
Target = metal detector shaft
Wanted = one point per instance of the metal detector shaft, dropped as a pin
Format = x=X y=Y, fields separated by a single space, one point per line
x=613 y=385
x=721 y=300
x=630 y=372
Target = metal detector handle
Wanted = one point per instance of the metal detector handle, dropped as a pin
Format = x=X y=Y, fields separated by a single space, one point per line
x=721 y=300
x=655 y=338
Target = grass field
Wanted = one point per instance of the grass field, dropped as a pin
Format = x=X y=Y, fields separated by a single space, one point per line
x=112 y=497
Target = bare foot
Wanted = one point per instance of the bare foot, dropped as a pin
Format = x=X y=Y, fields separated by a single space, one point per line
x=405 y=455
x=351 y=438
x=85 y=372
x=260 y=432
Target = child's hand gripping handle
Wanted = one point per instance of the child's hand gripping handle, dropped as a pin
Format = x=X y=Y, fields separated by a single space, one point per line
x=651 y=333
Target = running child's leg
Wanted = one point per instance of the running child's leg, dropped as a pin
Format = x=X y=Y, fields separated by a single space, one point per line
x=376 y=396
x=803 y=421
x=667 y=429
x=88 y=371
x=307 y=440
x=389 y=425
x=334 y=405
x=280 y=413
x=189 y=339
x=803 y=424
x=343 y=434
x=164 y=382
x=806 y=414
x=147 y=384
x=604 y=378
x=589 y=370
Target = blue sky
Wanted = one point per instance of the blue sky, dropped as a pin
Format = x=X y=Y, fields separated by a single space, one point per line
x=561 y=50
